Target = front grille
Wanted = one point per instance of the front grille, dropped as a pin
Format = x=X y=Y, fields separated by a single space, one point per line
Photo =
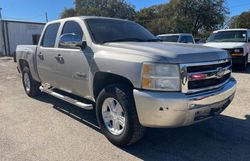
x=205 y=76
x=207 y=67
x=207 y=82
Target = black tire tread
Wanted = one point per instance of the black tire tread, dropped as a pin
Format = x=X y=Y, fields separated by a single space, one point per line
x=138 y=129
x=125 y=94
x=242 y=66
x=34 y=85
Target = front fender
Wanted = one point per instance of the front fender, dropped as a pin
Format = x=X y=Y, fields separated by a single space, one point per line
x=123 y=65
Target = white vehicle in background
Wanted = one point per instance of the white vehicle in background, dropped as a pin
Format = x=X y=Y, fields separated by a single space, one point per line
x=178 y=38
x=235 y=41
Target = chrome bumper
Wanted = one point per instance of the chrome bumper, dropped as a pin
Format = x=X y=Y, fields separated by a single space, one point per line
x=174 y=109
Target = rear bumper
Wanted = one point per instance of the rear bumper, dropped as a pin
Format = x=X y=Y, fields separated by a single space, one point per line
x=174 y=109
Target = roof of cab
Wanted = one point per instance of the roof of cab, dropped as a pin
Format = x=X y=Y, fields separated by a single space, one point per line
x=86 y=17
x=236 y=29
x=177 y=34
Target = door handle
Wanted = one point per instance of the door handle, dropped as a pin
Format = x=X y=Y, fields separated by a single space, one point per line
x=59 y=57
x=40 y=55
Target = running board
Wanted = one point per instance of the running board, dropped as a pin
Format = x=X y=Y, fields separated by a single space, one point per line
x=67 y=99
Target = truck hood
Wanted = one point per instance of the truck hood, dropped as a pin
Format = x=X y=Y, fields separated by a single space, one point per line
x=169 y=52
x=225 y=45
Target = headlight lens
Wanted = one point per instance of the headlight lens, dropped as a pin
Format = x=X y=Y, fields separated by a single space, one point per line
x=165 y=77
x=236 y=50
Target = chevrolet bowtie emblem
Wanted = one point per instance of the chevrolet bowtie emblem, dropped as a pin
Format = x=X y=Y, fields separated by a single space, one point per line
x=220 y=72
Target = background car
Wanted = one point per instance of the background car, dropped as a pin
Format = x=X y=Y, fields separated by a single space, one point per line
x=178 y=38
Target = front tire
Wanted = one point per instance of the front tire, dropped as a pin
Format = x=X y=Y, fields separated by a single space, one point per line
x=30 y=86
x=244 y=64
x=117 y=116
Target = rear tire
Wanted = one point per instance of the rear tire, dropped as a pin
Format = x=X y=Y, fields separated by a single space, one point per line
x=31 y=86
x=118 y=96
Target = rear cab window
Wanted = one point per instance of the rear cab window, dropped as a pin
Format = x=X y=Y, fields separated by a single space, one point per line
x=187 y=39
x=50 y=35
x=173 y=38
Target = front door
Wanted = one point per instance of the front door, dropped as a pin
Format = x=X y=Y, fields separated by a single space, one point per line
x=73 y=64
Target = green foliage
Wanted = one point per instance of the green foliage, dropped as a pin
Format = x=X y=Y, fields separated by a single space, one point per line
x=241 y=21
x=177 y=16
x=190 y=16
x=107 y=8
x=68 y=13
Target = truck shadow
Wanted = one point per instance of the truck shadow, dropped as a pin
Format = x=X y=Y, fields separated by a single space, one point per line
x=222 y=138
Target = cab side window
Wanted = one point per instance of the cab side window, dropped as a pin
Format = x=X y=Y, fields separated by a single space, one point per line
x=49 y=37
x=72 y=27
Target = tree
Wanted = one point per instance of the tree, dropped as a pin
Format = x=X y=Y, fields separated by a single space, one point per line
x=68 y=12
x=189 y=16
x=241 y=21
x=108 y=8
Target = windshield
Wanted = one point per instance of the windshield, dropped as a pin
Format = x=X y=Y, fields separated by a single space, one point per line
x=173 y=38
x=110 y=30
x=228 y=36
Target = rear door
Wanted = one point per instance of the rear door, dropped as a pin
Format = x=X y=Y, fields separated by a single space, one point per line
x=74 y=68
x=46 y=55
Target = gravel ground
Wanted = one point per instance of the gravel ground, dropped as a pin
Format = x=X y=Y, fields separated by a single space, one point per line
x=46 y=128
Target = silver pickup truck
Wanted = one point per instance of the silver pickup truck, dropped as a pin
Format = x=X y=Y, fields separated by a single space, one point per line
x=130 y=78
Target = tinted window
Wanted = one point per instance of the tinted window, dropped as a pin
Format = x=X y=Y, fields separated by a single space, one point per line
x=173 y=38
x=109 y=30
x=72 y=27
x=228 y=36
x=50 y=34
x=35 y=39
x=186 y=39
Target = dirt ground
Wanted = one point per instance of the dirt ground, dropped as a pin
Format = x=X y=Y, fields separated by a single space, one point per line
x=46 y=128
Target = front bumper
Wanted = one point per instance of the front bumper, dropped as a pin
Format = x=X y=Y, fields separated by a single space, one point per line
x=175 y=109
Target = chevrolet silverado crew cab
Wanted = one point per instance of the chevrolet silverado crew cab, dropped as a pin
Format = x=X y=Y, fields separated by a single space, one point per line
x=127 y=75
x=235 y=41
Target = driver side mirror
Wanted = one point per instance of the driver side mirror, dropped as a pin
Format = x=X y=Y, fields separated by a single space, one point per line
x=72 y=41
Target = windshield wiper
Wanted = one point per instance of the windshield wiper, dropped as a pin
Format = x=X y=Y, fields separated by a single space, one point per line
x=124 y=39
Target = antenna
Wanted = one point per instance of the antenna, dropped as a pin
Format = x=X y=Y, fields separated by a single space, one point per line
x=0 y=13
x=46 y=16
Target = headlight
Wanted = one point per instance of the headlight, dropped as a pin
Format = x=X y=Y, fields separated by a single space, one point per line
x=165 y=77
x=238 y=50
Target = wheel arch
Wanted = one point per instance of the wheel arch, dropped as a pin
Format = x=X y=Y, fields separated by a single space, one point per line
x=102 y=79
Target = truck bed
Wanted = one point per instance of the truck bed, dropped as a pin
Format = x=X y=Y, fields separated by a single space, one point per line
x=27 y=53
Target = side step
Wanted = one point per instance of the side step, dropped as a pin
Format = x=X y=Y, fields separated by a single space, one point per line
x=66 y=98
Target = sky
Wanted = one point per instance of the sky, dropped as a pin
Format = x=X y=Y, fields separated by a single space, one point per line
x=34 y=10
